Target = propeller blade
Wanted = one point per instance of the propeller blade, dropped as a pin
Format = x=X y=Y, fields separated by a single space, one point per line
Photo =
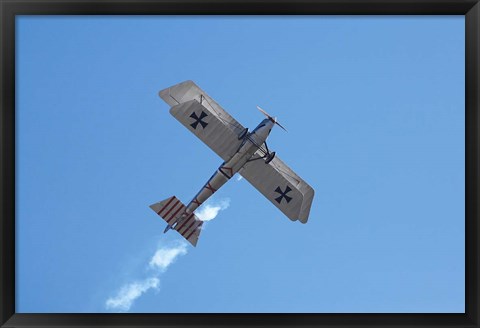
x=280 y=126
x=273 y=119
x=264 y=112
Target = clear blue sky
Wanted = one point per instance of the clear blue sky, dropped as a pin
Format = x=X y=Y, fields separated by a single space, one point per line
x=374 y=108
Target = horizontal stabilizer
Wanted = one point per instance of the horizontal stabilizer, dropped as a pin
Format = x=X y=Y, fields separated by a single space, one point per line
x=172 y=210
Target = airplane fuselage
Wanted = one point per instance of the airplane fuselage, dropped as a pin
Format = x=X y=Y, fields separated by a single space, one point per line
x=251 y=143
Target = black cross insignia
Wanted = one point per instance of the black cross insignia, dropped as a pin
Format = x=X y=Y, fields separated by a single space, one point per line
x=198 y=120
x=283 y=194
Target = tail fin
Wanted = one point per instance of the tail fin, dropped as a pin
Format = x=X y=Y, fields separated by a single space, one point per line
x=171 y=210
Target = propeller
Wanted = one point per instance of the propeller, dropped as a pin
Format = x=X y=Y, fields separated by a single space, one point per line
x=273 y=119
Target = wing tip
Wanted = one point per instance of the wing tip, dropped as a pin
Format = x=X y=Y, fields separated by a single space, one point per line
x=173 y=95
x=307 y=204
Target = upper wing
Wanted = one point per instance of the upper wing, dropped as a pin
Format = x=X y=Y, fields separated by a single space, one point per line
x=199 y=113
x=285 y=189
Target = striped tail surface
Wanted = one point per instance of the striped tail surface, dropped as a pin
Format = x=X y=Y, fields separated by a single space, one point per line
x=171 y=210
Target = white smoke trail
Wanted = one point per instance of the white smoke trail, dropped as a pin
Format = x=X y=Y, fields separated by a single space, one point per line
x=161 y=260
x=209 y=211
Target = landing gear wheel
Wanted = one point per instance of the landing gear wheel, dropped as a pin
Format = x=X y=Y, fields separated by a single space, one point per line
x=269 y=157
x=243 y=134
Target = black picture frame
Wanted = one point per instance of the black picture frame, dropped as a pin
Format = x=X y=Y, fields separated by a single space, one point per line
x=10 y=8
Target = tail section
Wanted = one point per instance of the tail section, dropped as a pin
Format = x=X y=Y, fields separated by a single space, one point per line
x=173 y=212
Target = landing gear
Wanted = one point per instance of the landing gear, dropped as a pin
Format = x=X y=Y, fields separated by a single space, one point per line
x=269 y=157
x=266 y=155
x=243 y=134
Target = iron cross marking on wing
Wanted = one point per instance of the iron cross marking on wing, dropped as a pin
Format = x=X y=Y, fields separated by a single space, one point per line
x=198 y=120
x=283 y=194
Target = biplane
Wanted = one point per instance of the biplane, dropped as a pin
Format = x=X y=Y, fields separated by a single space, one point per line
x=244 y=152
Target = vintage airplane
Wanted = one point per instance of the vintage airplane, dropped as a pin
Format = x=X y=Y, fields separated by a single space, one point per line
x=242 y=151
